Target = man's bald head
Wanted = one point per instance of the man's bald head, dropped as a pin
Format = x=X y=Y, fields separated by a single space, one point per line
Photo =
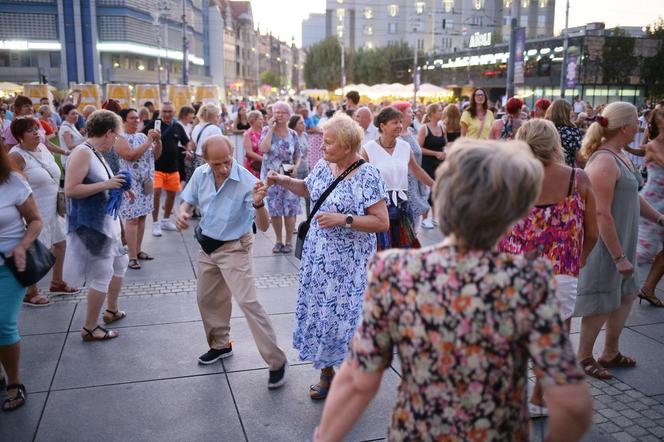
x=363 y=116
x=217 y=145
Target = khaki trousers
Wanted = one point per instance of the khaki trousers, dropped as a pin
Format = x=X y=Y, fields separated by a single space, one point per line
x=227 y=272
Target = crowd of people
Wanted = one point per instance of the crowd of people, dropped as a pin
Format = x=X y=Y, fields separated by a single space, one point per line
x=544 y=214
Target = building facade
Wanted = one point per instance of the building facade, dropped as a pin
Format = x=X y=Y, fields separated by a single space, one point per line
x=434 y=26
x=313 y=30
x=123 y=41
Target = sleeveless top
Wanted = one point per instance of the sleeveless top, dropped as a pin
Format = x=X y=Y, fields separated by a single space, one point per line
x=435 y=143
x=393 y=168
x=553 y=230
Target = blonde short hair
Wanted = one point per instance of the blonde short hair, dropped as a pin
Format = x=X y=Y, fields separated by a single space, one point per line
x=616 y=116
x=347 y=131
x=483 y=188
x=543 y=139
x=253 y=115
x=206 y=111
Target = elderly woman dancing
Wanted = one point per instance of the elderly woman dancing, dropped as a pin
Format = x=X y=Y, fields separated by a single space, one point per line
x=338 y=245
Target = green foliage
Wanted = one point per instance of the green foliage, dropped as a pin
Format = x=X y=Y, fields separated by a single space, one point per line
x=618 y=60
x=652 y=67
x=322 y=70
x=271 y=78
x=388 y=64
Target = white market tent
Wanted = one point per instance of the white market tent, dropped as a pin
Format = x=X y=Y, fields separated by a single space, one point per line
x=396 y=90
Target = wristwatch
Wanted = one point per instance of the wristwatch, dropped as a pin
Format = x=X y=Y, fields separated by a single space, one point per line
x=349 y=221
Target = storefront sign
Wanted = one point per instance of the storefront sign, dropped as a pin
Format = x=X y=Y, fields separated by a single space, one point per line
x=179 y=95
x=479 y=39
x=519 y=48
x=119 y=92
x=148 y=92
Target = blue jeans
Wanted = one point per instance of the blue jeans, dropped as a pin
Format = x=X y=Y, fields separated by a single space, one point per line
x=11 y=297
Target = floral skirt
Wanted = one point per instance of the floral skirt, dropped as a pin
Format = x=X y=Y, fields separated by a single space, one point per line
x=400 y=234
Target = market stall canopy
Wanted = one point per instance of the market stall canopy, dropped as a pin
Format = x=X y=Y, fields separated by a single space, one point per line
x=396 y=90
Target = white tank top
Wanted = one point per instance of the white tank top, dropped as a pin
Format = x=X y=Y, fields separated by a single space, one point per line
x=393 y=168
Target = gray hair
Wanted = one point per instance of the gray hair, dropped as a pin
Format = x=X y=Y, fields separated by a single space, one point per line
x=253 y=116
x=347 y=131
x=483 y=188
x=283 y=106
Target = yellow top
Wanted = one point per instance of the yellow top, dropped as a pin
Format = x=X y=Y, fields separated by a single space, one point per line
x=475 y=123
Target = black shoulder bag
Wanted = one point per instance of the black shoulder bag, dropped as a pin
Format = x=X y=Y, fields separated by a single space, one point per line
x=303 y=228
x=38 y=262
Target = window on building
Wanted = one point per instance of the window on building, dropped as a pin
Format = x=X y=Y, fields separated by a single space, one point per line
x=477 y=20
x=340 y=14
x=478 y=4
x=393 y=10
x=54 y=59
x=543 y=3
x=524 y=20
x=448 y=5
x=368 y=13
x=340 y=31
x=419 y=8
x=368 y=30
x=237 y=69
x=541 y=21
x=392 y=28
x=525 y=3
x=507 y=3
x=420 y=44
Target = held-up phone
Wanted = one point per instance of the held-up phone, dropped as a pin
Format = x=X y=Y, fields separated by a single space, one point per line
x=157 y=125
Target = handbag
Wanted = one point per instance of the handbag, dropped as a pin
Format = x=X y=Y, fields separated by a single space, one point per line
x=61 y=201
x=303 y=228
x=38 y=262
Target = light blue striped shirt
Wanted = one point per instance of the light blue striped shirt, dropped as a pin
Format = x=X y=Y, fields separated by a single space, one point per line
x=227 y=213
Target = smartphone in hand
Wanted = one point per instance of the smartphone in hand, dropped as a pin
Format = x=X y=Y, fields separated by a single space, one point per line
x=157 y=125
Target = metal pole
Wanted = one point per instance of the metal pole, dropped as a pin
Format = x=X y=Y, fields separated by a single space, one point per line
x=158 y=24
x=343 y=67
x=563 y=67
x=185 y=45
x=415 y=74
x=509 y=92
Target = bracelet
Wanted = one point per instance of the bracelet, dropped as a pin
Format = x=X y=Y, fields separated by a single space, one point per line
x=620 y=258
x=258 y=206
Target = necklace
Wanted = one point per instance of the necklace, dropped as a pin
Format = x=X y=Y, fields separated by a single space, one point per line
x=380 y=141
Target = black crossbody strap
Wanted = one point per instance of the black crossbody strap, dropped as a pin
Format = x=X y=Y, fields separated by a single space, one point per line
x=329 y=190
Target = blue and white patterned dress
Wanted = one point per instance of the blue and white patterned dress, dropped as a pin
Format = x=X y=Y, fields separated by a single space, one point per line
x=141 y=170
x=333 y=273
x=280 y=201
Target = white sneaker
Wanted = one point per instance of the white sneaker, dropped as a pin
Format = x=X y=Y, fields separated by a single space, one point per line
x=168 y=225
x=537 y=411
x=427 y=224
x=156 y=229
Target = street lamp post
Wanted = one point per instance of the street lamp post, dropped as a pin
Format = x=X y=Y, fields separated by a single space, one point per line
x=563 y=67
x=509 y=92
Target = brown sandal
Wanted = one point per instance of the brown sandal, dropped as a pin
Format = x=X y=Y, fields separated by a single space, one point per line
x=90 y=336
x=619 y=361
x=591 y=368
x=36 y=300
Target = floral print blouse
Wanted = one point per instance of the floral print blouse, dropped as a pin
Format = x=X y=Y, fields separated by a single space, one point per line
x=570 y=138
x=464 y=327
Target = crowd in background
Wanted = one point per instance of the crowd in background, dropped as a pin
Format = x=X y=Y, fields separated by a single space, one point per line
x=553 y=196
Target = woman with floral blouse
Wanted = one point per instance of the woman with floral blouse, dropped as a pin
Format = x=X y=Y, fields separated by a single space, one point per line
x=464 y=319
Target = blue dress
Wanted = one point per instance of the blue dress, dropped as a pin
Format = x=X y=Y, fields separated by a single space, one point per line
x=280 y=201
x=333 y=273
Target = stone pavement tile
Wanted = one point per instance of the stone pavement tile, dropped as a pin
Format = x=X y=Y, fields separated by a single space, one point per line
x=659 y=398
x=654 y=331
x=162 y=270
x=52 y=319
x=148 y=311
x=20 y=425
x=138 y=354
x=273 y=264
x=39 y=358
x=288 y=414
x=245 y=354
x=595 y=434
x=623 y=437
x=274 y=300
x=644 y=314
x=645 y=377
x=196 y=408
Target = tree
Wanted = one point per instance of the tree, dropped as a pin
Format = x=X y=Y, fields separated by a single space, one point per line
x=271 y=78
x=386 y=64
x=618 y=60
x=323 y=66
x=652 y=67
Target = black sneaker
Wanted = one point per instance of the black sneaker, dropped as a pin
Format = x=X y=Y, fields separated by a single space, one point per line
x=277 y=377
x=213 y=355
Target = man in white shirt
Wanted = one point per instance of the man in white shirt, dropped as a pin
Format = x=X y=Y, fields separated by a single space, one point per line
x=579 y=105
x=364 y=118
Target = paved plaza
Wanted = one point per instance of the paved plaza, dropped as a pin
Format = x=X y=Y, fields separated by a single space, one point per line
x=146 y=385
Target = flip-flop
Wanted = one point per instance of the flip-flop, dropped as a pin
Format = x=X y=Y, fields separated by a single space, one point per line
x=619 y=361
x=277 y=248
x=134 y=264
x=34 y=301
x=144 y=256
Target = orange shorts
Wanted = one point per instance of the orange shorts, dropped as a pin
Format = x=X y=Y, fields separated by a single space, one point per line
x=169 y=181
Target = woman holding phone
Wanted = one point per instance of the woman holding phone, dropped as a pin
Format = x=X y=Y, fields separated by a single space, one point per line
x=282 y=154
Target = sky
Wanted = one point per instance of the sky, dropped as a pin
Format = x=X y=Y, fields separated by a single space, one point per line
x=284 y=17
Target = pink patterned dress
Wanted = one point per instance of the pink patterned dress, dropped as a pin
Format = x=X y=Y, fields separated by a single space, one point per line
x=555 y=231
x=254 y=166
x=651 y=235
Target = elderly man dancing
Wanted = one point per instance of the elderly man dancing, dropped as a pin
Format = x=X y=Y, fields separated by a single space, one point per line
x=229 y=198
